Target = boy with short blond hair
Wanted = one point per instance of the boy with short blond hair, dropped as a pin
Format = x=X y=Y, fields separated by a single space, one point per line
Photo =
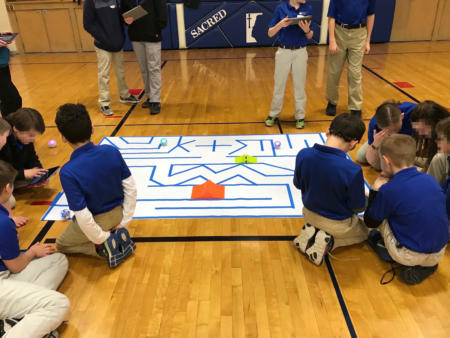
x=408 y=208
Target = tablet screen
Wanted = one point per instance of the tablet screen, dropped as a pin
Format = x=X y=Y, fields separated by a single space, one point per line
x=44 y=177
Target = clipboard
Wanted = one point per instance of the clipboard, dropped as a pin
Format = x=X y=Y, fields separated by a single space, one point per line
x=8 y=38
x=299 y=18
x=136 y=13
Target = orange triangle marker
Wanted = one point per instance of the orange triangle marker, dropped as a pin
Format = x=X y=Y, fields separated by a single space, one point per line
x=208 y=190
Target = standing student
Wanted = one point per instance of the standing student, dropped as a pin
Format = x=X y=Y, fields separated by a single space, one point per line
x=27 y=281
x=291 y=54
x=9 y=95
x=408 y=208
x=350 y=25
x=99 y=189
x=145 y=35
x=443 y=142
x=331 y=202
x=103 y=20
x=390 y=118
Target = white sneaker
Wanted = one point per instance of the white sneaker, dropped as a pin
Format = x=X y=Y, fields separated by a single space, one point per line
x=303 y=241
x=107 y=111
x=53 y=334
x=320 y=247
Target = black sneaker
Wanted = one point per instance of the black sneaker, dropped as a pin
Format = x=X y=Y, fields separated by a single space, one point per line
x=376 y=242
x=357 y=113
x=107 y=111
x=331 y=109
x=417 y=274
x=131 y=99
x=155 y=109
x=147 y=104
x=6 y=325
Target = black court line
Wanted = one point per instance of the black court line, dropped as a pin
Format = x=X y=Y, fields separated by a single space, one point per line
x=279 y=127
x=393 y=85
x=42 y=233
x=337 y=289
x=203 y=239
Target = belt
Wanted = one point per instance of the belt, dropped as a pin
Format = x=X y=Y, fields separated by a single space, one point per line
x=291 y=47
x=343 y=25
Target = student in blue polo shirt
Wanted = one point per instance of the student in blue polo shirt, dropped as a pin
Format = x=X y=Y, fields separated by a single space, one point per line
x=100 y=191
x=27 y=281
x=390 y=118
x=408 y=208
x=332 y=191
x=291 y=54
x=350 y=24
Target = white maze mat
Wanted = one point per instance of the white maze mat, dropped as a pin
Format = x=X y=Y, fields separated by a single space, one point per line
x=165 y=175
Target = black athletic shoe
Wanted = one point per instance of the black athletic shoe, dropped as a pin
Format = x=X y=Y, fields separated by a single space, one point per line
x=6 y=325
x=376 y=242
x=417 y=274
x=331 y=109
x=155 y=109
x=146 y=104
x=357 y=113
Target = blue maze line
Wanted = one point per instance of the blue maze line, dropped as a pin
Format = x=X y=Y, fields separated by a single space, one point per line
x=230 y=178
x=321 y=137
x=203 y=208
x=151 y=140
x=179 y=144
x=157 y=158
x=214 y=145
x=191 y=179
x=289 y=141
x=151 y=175
x=268 y=156
x=245 y=145
x=307 y=145
x=209 y=199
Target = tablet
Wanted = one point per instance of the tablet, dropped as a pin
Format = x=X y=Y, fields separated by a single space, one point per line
x=41 y=179
x=8 y=37
x=294 y=21
x=136 y=13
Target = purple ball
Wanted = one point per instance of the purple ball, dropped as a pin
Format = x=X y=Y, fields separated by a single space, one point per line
x=52 y=143
x=277 y=144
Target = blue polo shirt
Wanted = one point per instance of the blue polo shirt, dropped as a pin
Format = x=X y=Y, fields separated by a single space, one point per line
x=445 y=188
x=414 y=205
x=292 y=36
x=93 y=178
x=406 y=129
x=332 y=185
x=9 y=241
x=19 y=144
x=351 y=12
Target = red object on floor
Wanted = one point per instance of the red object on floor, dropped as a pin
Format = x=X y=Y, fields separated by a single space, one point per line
x=403 y=84
x=41 y=203
x=135 y=91
x=113 y=117
x=208 y=191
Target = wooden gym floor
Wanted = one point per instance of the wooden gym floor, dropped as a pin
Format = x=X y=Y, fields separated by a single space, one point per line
x=234 y=286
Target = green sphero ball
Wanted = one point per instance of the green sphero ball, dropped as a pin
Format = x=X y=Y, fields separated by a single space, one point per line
x=163 y=142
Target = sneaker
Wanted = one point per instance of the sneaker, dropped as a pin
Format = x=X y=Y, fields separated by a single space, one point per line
x=6 y=325
x=306 y=238
x=131 y=99
x=107 y=111
x=331 y=109
x=300 y=124
x=417 y=274
x=357 y=113
x=320 y=247
x=376 y=242
x=270 y=122
x=147 y=104
x=111 y=248
x=155 y=109
x=126 y=245
x=53 y=334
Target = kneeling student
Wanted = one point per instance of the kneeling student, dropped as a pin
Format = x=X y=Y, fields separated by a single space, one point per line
x=333 y=191
x=408 y=208
x=29 y=305
x=390 y=118
x=443 y=143
x=99 y=189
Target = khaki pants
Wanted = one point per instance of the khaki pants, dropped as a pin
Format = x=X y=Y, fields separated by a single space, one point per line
x=30 y=295
x=439 y=168
x=17 y=185
x=351 y=43
x=404 y=256
x=347 y=232
x=149 y=59
x=361 y=157
x=73 y=239
x=285 y=60
x=104 y=59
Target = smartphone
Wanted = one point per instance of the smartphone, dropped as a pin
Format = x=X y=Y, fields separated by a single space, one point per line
x=45 y=177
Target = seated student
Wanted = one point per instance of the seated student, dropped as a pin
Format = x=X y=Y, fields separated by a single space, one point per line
x=408 y=208
x=99 y=189
x=26 y=124
x=390 y=118
x=424 y=117
x=27 y=281
x=443 y=142
x=5 y=131
x=332 y=191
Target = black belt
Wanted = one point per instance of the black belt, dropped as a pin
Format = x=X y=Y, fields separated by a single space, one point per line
x=291 y=47
x=343 y=25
